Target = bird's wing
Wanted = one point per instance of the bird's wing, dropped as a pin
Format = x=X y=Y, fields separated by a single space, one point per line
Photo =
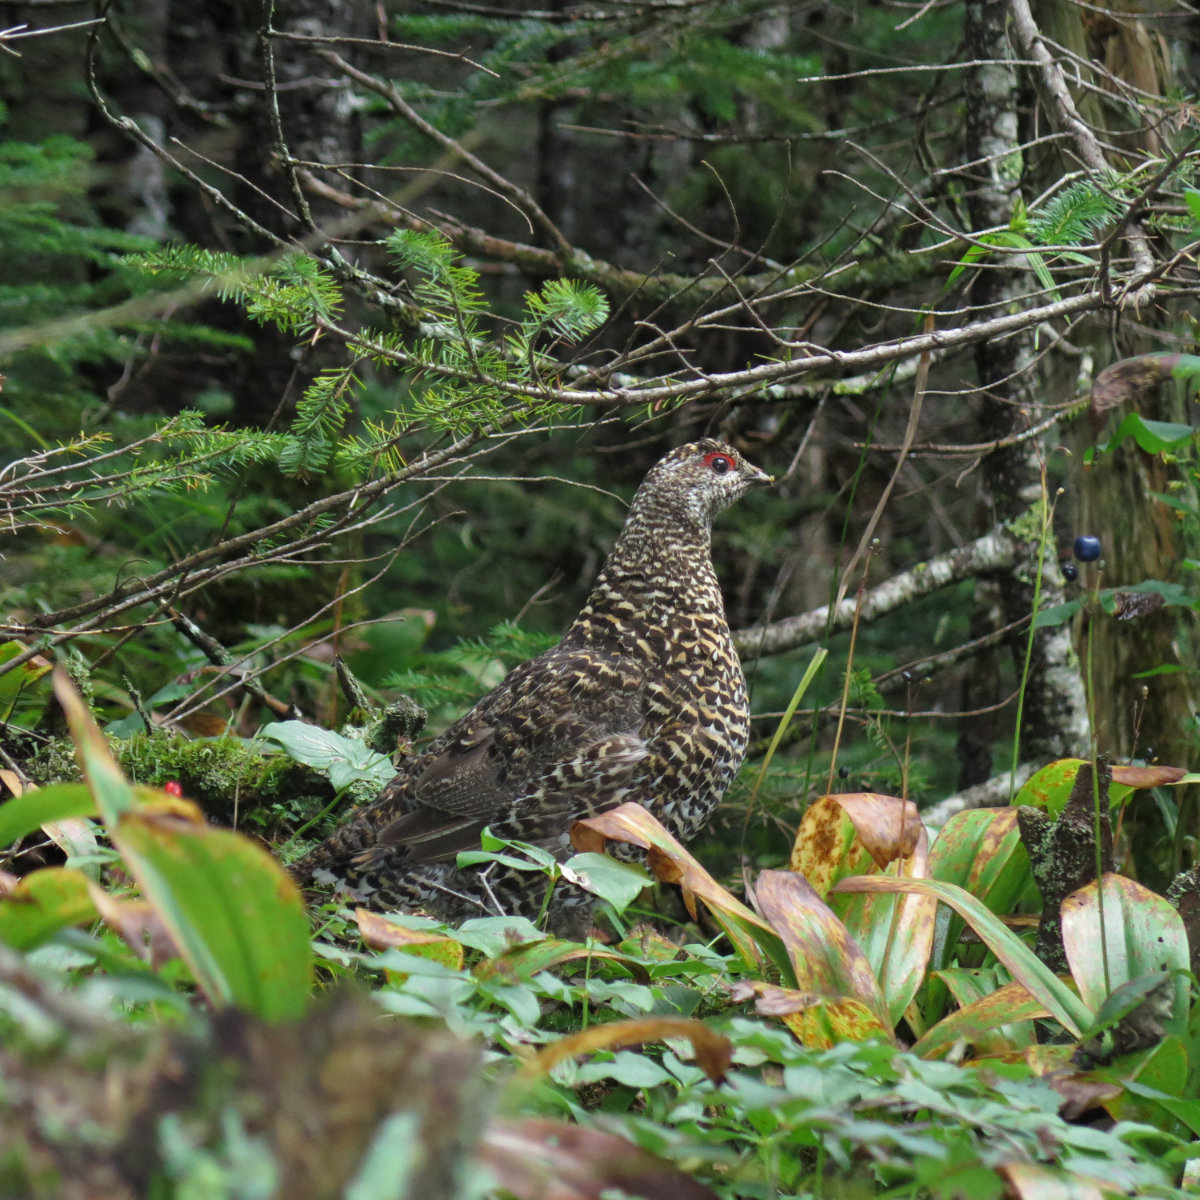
x=558 y=739
x=560 y=733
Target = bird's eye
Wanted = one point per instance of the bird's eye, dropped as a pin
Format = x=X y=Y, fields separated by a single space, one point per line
x=720 y=463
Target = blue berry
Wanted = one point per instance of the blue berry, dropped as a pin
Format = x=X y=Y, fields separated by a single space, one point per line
x=1070 y=572
x=1087 y=548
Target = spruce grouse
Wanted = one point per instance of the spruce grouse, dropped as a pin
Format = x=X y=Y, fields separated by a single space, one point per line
x=643 y=699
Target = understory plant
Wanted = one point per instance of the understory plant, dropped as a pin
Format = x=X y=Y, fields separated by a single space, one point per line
x=900 y=1035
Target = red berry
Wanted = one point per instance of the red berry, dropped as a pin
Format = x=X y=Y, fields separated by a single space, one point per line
x=173 y=787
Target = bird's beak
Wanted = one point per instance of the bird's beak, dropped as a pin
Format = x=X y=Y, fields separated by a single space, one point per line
x=760 y=478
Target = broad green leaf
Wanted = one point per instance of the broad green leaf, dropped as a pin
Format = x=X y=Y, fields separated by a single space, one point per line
x=14 y=682
x=1158 y=1075
x=235 y=915
x=1191 y=198
x=617 y=882
x=23 y=814
x=1022 y=964
x=43 y=902
x=341 y=760
x=233 y=912
x=979 y=850
x=29 y=811
x=1143 y=934
x=108 y=785
x=1057 y=614
x=1154 y=437
x=993 y=1022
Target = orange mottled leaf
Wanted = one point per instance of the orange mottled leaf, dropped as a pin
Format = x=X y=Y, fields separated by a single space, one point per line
x=713 y=1051
x=633 y=825
x=976 y=1023
x=826 y=960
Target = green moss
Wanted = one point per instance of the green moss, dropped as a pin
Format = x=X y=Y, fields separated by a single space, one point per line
x=226 y=777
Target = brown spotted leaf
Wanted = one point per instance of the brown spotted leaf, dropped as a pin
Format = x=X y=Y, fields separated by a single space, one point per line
x=815 y=1020
x=381 y=934
x=977 y=1023
x=713 y=1052
x=826 y=960
x=838 y=835
x=863 y=833
x=633 y=825
x=887 y=826
x=1143 y=935
x=771 y=1000
x=1017 y=958
x=827 y=846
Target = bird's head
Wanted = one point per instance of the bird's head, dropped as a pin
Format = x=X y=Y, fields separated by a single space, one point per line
x=698 y=480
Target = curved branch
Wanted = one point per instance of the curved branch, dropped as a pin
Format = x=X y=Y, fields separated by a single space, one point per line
x=992 y=552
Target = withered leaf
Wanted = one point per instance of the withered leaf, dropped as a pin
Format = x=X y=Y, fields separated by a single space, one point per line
x=1127 y=606
x=1128 y=379
x=713 y=1051
x=1147 y=777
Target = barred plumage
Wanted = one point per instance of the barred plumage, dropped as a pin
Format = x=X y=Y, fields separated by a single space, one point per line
x=643 y=699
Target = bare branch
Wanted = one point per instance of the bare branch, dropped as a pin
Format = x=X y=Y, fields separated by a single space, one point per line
x=995 y=551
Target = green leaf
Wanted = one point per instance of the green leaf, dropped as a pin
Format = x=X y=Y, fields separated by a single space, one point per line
x=979 y=850
x=1019 y=959
x=29 y=811
x=1191 y=197
x=1154 y=437
x=1144 y=935
x=341 y=760
x=42 y=903
x=1056 y=614
x=236 y=917
x=234 y=914
x=617 y=882
x=994 y=1022
x=14 y=682
x=108 y=785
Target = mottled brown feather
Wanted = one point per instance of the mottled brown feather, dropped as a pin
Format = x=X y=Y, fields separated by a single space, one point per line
x=643 y=699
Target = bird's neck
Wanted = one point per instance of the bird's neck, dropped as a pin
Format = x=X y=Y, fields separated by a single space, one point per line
x=653 y=574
